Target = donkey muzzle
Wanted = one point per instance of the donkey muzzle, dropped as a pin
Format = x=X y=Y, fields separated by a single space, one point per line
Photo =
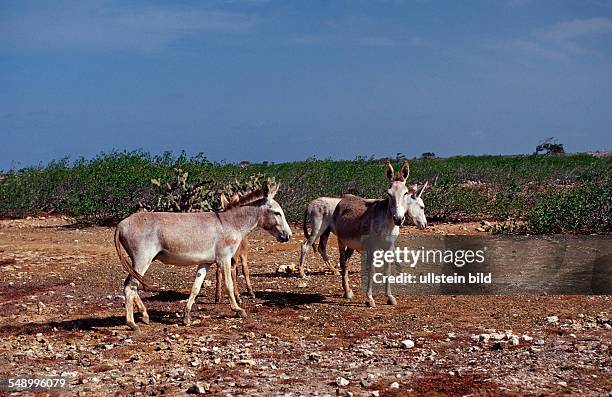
x=283 y=237
x=398 y=220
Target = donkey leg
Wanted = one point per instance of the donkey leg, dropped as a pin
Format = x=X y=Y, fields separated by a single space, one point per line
x=315 y=232
x=370 y=302
x=235 y=280
x=218 y=286
x=129 y=290
x=345 y=254
x=322 y=249
x=229 y=286
x=140 y=305
x=141 y=264
x=390 y=298
x=247 y=275
x=195 y=290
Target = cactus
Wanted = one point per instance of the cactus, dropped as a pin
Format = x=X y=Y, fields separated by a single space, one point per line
x=182 y=195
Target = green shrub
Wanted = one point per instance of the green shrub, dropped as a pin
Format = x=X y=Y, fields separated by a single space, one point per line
x=111 y=186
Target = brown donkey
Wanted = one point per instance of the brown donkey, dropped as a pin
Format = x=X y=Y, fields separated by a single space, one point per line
x=355 y=217
x=194 y=238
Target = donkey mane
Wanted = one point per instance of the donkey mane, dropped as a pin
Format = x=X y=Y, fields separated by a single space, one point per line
x=247 y=198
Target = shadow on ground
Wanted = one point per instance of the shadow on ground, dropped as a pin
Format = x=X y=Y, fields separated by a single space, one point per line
x=288 y=299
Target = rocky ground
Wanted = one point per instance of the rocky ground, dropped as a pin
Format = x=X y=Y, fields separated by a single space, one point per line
x=62 y=314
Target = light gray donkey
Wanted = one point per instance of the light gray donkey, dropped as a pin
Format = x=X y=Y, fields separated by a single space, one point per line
x=194 y=238
x=319 y=214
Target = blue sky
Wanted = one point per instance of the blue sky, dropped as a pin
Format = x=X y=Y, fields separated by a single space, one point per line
x=284 y=80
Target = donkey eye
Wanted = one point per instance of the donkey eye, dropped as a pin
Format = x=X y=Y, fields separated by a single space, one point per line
x=277 y=213
x=405 y=193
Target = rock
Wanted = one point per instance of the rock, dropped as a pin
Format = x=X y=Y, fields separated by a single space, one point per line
x=316 y=357
x=365 y=383
x=526 y=338
x=498 y=336
x=340 y=381
x=552 y=319
x=480 y=229
x=199 y=388
x=539 y=342
x=514 y=340
x=485 y=223
x=41 y=307
x=375 y=393
x=485 y=337
x=196 y=363
x=287 y=269
x=302 y=284
x=407 y=344
x=247 y=362
x=394 y=385
x=475 y=338
x=562 y=383
x=497 y=346
x=606 y=326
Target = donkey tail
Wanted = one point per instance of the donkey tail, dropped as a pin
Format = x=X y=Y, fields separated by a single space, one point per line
x=305 y=228
x=305 y=225
x=127 y=265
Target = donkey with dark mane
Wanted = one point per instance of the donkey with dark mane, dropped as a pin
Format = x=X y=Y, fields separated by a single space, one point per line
x=355 y=217
x=194 y=238
x=240 y=255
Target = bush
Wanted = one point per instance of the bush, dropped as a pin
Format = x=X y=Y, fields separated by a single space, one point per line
x=111 y=186
x=586 y=208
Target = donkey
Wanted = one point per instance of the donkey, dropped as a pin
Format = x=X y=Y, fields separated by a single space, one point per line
x=355 y=217
x=241 y=255
x=194 y=238
x=319 y=214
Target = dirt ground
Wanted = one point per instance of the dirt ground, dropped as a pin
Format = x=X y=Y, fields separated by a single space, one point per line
x=62 y=314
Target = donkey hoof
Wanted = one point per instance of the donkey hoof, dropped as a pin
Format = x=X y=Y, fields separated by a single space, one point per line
x=391 y=300
x=302 y=275
x=241 y=313
x=370 y=303
x=133 y=326
x=187 y=320
x=348 y=295
x=145 y=318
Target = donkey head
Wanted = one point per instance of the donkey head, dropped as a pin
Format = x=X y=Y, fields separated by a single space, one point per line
x=404 y=200
x=273 y=218
x=416 y=207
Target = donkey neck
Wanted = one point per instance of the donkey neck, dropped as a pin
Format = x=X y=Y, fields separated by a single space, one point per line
x=242 y=219
x=386 y=207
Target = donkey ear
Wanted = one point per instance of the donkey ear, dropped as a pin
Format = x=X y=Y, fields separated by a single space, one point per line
x=235 y=199
x=265 y=189
x=422 y=189
x=274 y=190
x=389 y=171
x=224 y=202
x=405 y=171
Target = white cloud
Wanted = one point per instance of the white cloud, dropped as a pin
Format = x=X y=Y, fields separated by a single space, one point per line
x=109 y=25
x=562 y=40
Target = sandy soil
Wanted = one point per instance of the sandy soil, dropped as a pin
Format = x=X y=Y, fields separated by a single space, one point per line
x=61 y=313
